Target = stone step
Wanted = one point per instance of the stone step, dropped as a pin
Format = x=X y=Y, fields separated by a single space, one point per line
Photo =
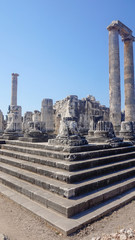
x=100 y=153
x=71 y=149
x=65 y=189
x=69 y=177
x=66 y=207
x=68 y=165
x=60 y=222
x=69 y=156
x=37 y=145
x=53 y=162
x=46 y=153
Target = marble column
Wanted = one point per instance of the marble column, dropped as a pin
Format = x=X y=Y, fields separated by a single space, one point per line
x=114 y=79
x=47 y=115
x=129 y=80
x=14 y=89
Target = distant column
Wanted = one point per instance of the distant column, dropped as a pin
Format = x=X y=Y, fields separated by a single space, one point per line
x=14 y=89
x=129 y=80
x=47 y=114
x=114 y=78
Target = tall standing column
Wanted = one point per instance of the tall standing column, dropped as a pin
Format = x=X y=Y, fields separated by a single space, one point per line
x=14 y=89
x=129 y=80
x=114 y=79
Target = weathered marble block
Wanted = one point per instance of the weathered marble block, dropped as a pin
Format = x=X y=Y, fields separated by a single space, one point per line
x=68 y=134
x=14 y=123
x=127 y=130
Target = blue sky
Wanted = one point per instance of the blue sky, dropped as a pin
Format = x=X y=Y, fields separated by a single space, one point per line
x=59 y=48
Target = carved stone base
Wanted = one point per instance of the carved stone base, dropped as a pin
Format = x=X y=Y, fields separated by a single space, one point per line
x=116 y=130
x=102 y=134
x=70 y=141
x=127 y=131
x=34 y=136
x=127 y=135
x=91 y=133
x=98 y=136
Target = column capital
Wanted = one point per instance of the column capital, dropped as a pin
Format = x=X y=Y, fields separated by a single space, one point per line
x=113 y=25
x=129 y=37
x=120 y=26
x=124 y=31
x=15 y=74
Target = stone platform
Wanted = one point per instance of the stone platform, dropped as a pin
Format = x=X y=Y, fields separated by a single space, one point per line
x=68 y=186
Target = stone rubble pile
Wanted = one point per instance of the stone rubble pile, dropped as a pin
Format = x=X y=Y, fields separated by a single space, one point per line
x=123 y=234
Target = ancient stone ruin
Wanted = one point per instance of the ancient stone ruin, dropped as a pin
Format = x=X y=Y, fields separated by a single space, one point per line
x=94 y=121
x=14 y=123
x=86 y=112
x=73 y=162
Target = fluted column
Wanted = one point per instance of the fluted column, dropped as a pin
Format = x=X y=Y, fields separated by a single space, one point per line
x=14 y=89
x=129 y=80
x=114 y=79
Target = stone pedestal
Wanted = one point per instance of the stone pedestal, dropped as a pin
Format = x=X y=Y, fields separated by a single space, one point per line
x=14 y=123
x=91 y=133
x=101 y=134
x=127 y=130
x=104 y=132
x=68 y=134
x=34 y=136
x=73 y=140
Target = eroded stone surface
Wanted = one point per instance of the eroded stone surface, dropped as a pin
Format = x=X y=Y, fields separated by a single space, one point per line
x=68 y=134
x=87 y=112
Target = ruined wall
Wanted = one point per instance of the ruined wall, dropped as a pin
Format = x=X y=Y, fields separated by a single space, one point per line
x=87 y=112
x=32 y=121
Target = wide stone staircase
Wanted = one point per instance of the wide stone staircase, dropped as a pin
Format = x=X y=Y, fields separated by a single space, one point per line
x=69 y=187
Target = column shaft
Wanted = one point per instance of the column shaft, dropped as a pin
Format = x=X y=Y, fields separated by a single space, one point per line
x=14 y=89
x=129 y=81
x=114 y=79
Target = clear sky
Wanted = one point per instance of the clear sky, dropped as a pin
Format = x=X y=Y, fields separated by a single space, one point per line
x=59 y=48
